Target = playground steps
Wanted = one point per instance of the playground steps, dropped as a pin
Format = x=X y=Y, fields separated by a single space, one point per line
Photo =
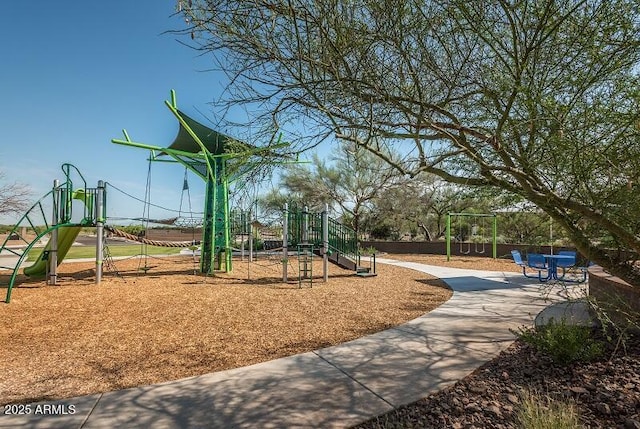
x=364 y=272
x=341 y=261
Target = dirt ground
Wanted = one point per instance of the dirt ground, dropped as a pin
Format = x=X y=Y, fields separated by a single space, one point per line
x=168 y=323
x=466 y=262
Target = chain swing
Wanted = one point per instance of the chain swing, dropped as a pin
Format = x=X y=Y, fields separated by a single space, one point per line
x=479 y=247
x=185 y=188
x=463 y=250
x=145 y=221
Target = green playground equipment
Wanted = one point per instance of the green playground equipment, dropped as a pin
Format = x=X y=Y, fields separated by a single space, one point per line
x=306 y=227
x=336 y=242
x=476 y=231
x=218 y=160
x=61 y=228
x=305 y=264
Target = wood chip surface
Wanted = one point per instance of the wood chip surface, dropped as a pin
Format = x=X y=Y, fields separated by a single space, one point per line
x=80 y=338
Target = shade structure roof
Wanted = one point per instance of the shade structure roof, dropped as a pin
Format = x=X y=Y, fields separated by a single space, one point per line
x=215 y=142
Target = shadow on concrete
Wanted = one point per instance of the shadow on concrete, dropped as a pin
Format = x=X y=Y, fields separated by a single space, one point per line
x=301 y=391
x=340 y=385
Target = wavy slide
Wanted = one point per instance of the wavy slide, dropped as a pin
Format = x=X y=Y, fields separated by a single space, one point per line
x=66 y=236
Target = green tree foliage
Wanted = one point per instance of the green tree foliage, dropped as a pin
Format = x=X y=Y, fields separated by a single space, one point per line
x=520 y=222
x=418 y=206
x=540 y=98
x=348 y=181
x=133 y=229
x=529 y=228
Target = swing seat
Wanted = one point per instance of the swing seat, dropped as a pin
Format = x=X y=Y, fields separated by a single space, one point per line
x=464 y=250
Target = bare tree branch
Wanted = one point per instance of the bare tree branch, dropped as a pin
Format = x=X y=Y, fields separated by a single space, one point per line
x=14 y=197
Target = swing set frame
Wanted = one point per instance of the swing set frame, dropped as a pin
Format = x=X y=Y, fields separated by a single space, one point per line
x=494 y=234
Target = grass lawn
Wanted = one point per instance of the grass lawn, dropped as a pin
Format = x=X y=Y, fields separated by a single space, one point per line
x=78 y=252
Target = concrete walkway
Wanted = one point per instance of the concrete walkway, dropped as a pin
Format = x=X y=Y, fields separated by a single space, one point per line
x=336 y=386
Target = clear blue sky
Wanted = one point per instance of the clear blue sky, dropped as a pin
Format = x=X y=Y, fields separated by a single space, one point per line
x=74 y=73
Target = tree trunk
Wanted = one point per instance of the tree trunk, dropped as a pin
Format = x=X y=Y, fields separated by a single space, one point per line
x=427 y=233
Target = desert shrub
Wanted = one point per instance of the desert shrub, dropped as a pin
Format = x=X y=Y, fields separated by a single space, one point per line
x=563 y=342
x=133 y=229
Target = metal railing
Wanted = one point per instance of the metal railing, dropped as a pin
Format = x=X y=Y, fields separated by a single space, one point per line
x=306 y=227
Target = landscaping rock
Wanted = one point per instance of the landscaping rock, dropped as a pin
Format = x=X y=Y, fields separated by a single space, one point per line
x=631 y=424
x=604 y=392
x=512 y=398
x=603 y=408
x=578 y=389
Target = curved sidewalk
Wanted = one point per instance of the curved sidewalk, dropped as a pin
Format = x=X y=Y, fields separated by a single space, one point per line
x=337 y=386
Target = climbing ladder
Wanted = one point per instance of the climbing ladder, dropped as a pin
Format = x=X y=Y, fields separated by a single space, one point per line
x=305 y=264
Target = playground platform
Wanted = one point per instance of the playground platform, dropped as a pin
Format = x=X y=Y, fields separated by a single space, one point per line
x=337 y=386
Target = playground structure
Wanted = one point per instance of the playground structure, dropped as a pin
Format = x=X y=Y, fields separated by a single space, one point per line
x=218 y=160
x=477 y=233
x=62 y=229
x=309 y=234
x=304 y=236
x=317 y=233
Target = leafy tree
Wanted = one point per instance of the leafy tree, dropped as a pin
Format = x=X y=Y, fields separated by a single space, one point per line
x=14 y=197
x=348 y=182
x=418 y=204
x=540 y=98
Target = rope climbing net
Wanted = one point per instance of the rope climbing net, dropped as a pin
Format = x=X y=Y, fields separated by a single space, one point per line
x=159 y=243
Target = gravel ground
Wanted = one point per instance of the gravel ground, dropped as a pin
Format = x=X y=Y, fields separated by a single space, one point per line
x=605 y=393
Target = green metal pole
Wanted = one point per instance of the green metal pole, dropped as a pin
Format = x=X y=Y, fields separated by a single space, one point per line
x=100 y=218
x=206 y=258
x=495 y=236
x=52 y=269
x=226 y=227
x=216 y=219
x=134 y=144
x=174 y=103
x=168 y=151
x=208 y=157
x=448 y=236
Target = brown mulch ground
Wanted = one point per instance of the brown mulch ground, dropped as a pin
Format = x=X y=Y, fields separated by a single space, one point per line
x=79 y=338
x=465 y=262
